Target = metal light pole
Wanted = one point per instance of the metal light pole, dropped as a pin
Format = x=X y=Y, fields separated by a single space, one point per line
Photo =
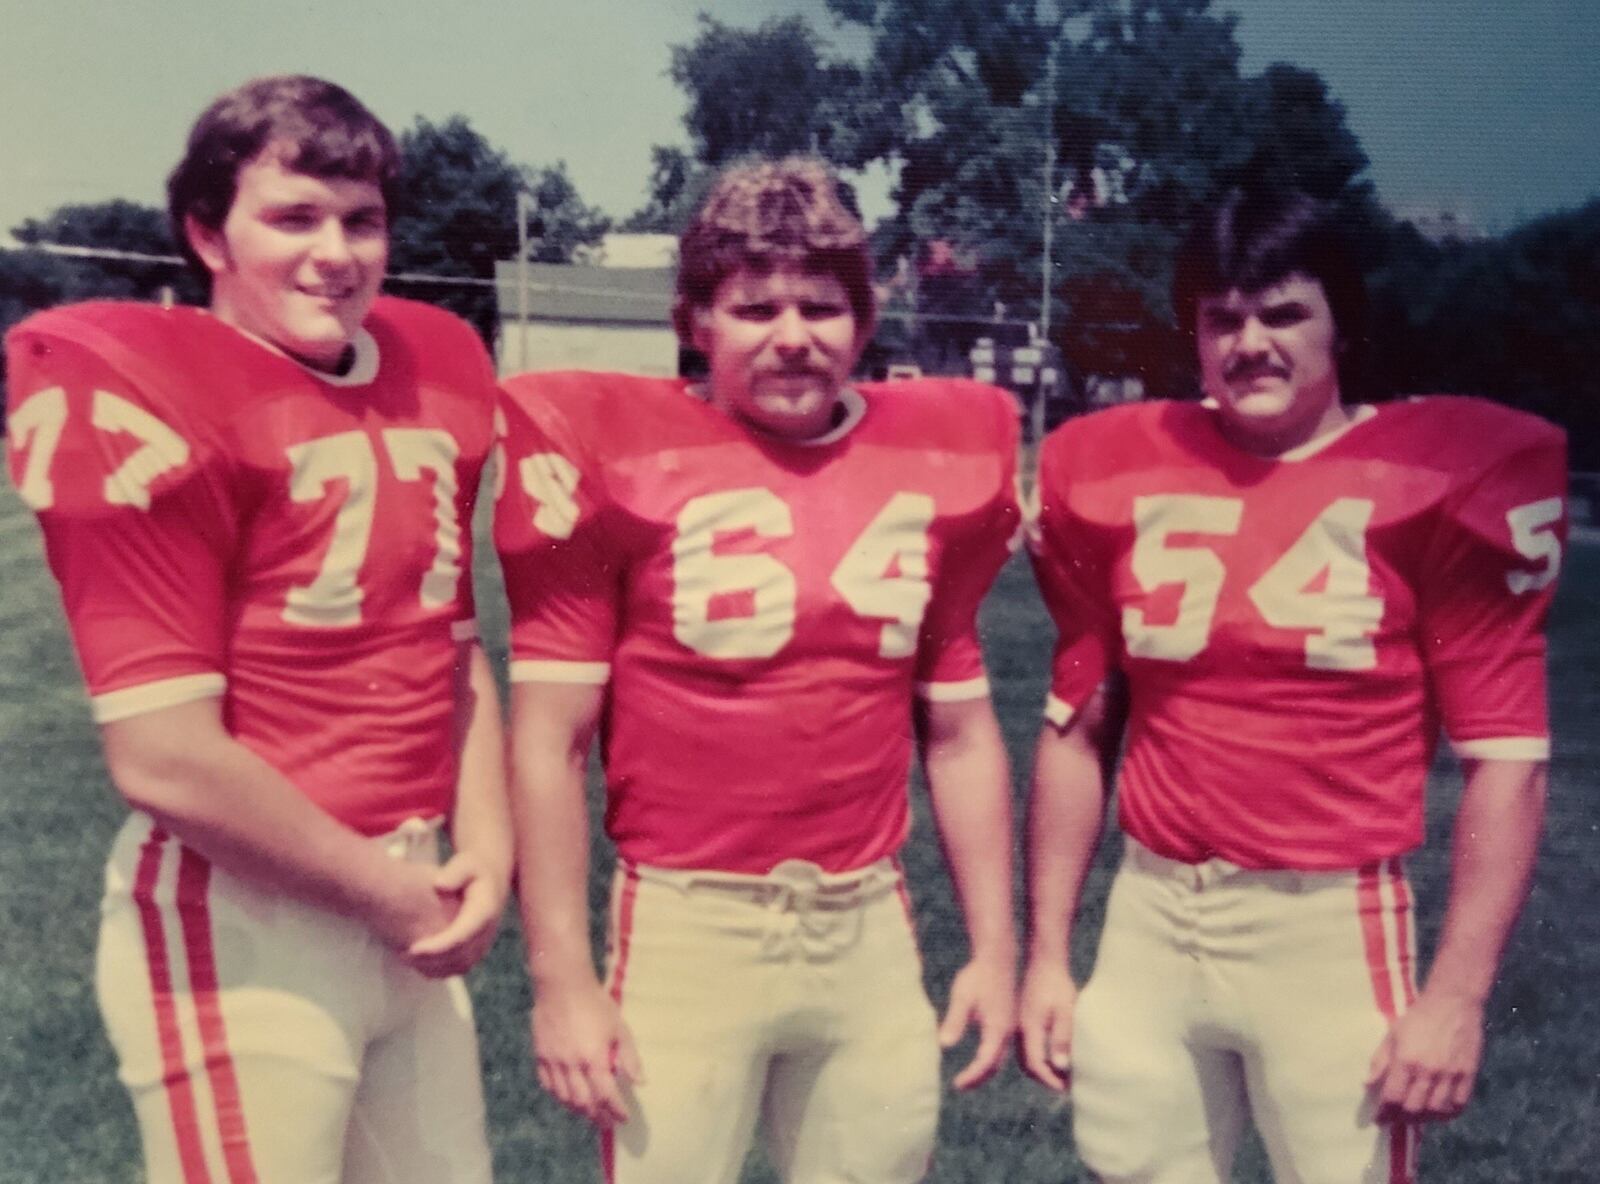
x=1045 y=264
x=524 y=204
x=1047 y=261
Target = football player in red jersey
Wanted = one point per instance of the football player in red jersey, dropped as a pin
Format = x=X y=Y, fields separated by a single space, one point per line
x=758 y=590
x=1298 y=591
x=259 y=517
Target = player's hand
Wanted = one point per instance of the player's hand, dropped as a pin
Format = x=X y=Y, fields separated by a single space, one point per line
x=584 y=1051
x=1426 y=1066
x=410 y=909
x=1044 y=1016
x=985 y=992
x=479 y=898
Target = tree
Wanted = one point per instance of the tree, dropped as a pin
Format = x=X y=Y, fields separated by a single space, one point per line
x=677 y=182
x=31 y=280
x=770 y=91
x=456 y=215
x=560 y=224
x=1147 y=114
x=113 y=226
x=1516 y=319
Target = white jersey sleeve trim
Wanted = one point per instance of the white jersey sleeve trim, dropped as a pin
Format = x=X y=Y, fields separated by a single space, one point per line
x=464 y=630
x=1504 y=748
x=540 y=670
x=153 y=696
x=1057 y=711
x=954 y=692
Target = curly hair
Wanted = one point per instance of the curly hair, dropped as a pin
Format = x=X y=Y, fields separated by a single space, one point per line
x=763 y=214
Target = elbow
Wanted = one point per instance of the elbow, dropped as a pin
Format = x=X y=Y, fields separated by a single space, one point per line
x=149 y=784
x=158 y=773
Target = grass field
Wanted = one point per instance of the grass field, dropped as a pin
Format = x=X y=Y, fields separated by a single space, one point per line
x=64 y=1119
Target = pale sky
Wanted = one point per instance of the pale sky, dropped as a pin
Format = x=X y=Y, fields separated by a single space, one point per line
x=1487 y=107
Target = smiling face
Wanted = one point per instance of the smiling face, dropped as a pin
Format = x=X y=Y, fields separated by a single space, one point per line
x=781 y=345
x=1269 y=360
x=298 y=260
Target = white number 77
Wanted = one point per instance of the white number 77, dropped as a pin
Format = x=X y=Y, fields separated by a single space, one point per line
x=36 y=427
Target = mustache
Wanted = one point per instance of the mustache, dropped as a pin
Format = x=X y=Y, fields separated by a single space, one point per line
x=1247 y=368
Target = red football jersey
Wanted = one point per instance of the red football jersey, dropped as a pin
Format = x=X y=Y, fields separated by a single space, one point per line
x=1294 y=630
x=223 y=521
x=763 y=611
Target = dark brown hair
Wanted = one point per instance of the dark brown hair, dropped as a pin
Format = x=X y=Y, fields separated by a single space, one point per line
x=317 y=127
x=1259 y=234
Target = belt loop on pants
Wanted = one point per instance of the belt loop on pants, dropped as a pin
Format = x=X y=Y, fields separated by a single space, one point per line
x=1197 y=877
x=795 y=885
x=416 y=840
x=805 y=910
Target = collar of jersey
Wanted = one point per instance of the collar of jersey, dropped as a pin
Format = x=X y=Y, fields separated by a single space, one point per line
x=855 y=407
x=1359 y=414
x=363 y=369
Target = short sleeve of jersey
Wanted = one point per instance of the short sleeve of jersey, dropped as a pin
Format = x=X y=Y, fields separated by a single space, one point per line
x=136 y=529
x=1074 y=580
x=486 y=382
x=1490 y=576
x=949 y=653
x=560 y=583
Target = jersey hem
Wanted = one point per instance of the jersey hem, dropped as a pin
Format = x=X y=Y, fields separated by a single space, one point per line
x=1504 y=748
x=1057 y=711
x=154 y=696
x=954 y=692
x=545 y=670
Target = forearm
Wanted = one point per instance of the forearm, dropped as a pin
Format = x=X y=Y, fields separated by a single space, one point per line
x=969 y=785
x=1066 y=812
x=1493 y=850
x=480 y=823
x=218 y=797
x=550 y=745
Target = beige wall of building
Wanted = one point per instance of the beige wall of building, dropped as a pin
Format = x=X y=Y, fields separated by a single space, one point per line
x=550 y=345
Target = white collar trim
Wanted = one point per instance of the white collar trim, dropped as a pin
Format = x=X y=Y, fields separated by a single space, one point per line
x=363 y=368
x=1359 y=414
x=854 y=408
x=854 y=404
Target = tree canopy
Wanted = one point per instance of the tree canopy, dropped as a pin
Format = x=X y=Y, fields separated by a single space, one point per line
x=1515 y=318
x=774 y=90
x=1119 y=117
x=31 y=280
x=457 y=215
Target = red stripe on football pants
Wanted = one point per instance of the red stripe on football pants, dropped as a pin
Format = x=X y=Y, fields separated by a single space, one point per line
x=194 y=913
x=175 y=1078
x=1384 y=989
x=622 y=936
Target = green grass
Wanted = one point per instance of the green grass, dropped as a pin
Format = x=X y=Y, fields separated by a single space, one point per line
x=63 y=1118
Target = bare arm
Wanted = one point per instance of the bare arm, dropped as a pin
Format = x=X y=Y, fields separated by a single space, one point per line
x=180 y=766
x=1427 y=1064
x=969 y=782
x=579 y=1041
x=1065 y=815
x=478 y=875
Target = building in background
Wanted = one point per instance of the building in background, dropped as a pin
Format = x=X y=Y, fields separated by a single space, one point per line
x=612 y=311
